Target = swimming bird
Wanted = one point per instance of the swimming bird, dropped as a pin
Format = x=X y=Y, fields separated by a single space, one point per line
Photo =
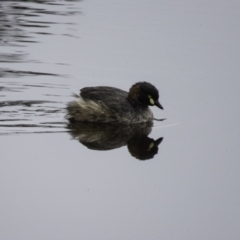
x=112 y=105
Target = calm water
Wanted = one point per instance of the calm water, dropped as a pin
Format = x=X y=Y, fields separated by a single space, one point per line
x=177 y=179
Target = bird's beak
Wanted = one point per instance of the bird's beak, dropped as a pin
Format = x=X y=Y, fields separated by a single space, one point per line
x=157 y=103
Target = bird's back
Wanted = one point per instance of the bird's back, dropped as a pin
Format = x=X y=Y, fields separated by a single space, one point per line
x=113 y=98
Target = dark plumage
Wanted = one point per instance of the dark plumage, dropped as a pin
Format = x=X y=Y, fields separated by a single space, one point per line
x=109 y=104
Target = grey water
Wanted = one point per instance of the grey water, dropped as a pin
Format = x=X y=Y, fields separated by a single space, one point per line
x=175 y=179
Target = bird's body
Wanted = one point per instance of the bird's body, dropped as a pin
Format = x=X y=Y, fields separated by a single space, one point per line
x=113 y=105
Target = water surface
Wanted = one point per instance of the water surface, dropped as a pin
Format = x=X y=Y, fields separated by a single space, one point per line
x=177 y=179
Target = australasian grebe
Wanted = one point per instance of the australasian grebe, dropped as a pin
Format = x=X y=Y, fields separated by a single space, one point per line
x=113 y=105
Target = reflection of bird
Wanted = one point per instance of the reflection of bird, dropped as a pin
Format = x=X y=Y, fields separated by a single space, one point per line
x=110 y=136
x=143 y=148
x=109 y=104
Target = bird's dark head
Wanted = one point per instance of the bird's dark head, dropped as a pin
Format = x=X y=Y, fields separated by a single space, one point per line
x=144 y=94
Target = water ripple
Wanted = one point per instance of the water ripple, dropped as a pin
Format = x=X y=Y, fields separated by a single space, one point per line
x=30 y=88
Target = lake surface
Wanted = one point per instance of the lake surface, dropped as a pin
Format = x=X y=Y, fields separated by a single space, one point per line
x=177 y=179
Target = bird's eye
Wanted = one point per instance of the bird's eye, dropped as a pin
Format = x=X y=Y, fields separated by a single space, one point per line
x=151 y=100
